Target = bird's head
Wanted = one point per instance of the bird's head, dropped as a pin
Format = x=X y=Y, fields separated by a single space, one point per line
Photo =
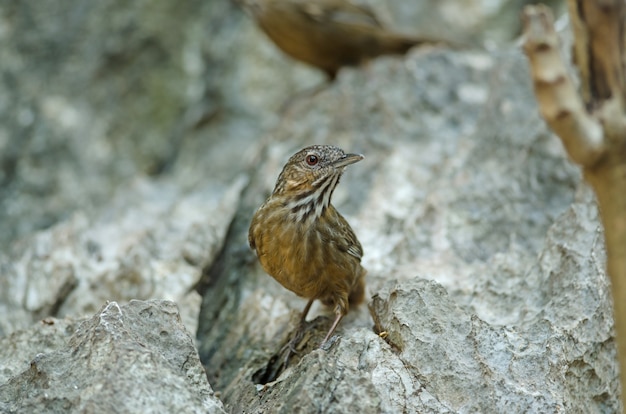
x=314 y=167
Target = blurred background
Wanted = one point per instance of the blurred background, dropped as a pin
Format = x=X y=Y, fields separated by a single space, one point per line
x=93 y=94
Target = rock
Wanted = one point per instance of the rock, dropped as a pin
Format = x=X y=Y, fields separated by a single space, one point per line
x=96 y=94
x=153 y=241
x=472 y=366
x=132 y=358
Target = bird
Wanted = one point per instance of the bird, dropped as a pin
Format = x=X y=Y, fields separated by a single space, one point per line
x=303 y=242
x=328 y=34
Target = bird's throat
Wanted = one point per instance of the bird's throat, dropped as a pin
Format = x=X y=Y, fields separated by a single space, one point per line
x=308 y=205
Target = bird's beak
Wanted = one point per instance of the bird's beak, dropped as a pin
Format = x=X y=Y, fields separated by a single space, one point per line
x=347 y=160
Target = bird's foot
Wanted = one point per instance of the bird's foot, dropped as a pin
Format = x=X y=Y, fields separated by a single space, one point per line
x=294 y=346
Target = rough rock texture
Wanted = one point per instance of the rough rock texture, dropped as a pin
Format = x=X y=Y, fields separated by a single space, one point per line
x=132 y=358
x=93 y=95
x=136 y=142
x=152 y=241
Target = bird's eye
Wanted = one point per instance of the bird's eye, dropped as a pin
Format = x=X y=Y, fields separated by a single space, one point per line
x=312 y=159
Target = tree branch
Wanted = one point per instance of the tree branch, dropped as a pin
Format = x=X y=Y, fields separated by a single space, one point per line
x=559 y=102
x=598 y=55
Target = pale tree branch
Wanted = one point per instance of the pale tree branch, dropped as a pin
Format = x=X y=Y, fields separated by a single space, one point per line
x=560 y=104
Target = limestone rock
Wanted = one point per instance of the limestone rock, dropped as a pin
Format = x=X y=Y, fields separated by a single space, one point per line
x=132 y=358
x=152 y=241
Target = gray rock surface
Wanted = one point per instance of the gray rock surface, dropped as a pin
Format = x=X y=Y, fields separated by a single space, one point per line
x=132 y=358
x=135 y=144
x=152 y=241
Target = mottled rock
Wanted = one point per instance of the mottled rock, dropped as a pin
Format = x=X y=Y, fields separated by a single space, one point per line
x=152 y=241
x=132 y=358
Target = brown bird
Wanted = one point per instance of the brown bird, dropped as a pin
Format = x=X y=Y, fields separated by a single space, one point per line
x=328 y=34
x=302 y=241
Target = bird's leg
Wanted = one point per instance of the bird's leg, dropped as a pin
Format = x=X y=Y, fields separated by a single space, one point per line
x=298 y=334
x=340 y=315
x=305 y=311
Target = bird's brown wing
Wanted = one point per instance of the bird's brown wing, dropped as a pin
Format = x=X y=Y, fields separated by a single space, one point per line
x=342 y=234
